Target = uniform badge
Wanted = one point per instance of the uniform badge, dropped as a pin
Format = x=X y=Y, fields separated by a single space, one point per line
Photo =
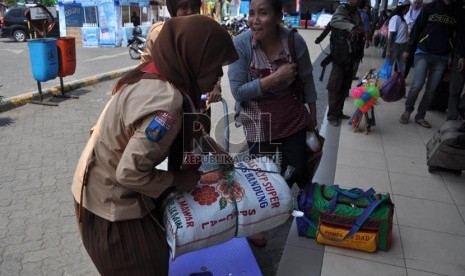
x=159 y=126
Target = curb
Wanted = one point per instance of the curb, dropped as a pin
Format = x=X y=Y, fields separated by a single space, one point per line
x=23 y=99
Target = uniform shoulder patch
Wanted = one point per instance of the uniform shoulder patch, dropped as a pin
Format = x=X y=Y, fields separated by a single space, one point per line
x=159 y=126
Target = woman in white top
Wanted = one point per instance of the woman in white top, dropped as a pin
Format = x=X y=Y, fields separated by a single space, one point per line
x=398 y=35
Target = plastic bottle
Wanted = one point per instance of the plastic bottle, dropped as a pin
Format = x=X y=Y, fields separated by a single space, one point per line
x=312 y=141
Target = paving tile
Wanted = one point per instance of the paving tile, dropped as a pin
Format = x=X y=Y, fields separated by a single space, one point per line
x=358 y=141
x=361 y=158
x=407 y=164
x=427 y=214
x=414 y=272
x=449 y=177
x=364 y=178
x=462 y=211
x=456 y=187
x=298 y=259
x=408 y=146
x=433 y=251
x=420 y=187
x=336 y=264
x=391 y=128
x=294 y=240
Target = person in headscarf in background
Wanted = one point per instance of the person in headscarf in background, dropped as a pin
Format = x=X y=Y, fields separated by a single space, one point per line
x=410 y=18
x=412 y=14
x=116 y=186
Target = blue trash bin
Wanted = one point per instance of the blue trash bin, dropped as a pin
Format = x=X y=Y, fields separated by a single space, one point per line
x=44 y=58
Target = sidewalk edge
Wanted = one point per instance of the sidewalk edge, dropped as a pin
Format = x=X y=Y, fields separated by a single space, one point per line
x=16 y=101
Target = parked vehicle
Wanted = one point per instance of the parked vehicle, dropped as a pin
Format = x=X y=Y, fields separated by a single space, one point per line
x=14 y=25
x=137 y=43
x=235 y=25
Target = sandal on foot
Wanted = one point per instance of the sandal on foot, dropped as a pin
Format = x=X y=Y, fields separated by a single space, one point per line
x=405 y=117
x=423 y=123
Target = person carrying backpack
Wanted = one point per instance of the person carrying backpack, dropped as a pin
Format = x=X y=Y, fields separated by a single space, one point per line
x=347 y=44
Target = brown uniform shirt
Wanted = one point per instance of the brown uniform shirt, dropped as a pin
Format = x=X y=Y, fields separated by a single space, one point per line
x=151 y=37
x=117 y=167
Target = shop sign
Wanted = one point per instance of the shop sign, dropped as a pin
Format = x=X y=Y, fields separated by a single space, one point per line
x=40 y=13
x=74 y=15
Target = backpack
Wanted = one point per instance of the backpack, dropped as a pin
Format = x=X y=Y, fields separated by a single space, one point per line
x=343 y=49
x=340 y=47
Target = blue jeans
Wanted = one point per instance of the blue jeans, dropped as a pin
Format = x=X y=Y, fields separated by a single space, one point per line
x=426 y=66
x=397 y=51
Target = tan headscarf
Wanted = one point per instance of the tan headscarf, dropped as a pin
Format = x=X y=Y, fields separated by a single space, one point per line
x=190 y=51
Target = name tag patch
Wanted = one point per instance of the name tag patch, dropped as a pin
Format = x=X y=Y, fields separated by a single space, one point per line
x=159 y=126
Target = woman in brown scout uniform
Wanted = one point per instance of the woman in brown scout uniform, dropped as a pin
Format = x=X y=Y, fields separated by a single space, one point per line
x=116 y=181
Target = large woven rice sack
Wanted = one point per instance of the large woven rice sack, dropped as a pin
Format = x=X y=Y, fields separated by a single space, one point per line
x=217 y=210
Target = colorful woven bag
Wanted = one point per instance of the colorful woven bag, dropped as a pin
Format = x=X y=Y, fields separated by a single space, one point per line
x=350 y=218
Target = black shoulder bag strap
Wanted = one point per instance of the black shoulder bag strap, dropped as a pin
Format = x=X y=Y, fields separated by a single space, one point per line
x=292 y=50
x=291 y=44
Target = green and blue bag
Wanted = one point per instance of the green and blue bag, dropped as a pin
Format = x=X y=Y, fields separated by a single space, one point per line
x=351 y=218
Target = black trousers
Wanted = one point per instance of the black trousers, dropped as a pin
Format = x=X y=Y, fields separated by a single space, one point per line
x=339 y=83
x=293 y=152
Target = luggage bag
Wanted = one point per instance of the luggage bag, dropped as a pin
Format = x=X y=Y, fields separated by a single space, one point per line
x=446 y=150
x=351 y=218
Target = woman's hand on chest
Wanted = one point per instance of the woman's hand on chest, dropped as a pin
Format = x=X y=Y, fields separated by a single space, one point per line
x=280 y=79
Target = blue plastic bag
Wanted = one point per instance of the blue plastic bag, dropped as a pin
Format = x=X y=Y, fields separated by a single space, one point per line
x=386 y=70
